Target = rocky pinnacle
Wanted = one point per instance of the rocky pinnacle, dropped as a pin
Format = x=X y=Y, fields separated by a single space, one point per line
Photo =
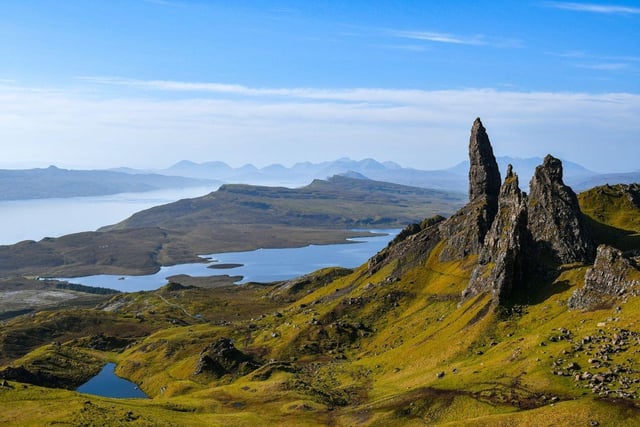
x=465 y=230
x=499 y=263
x=555 y=220
x=484 y=175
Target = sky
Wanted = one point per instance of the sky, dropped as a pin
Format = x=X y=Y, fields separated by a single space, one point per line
x=146 y=83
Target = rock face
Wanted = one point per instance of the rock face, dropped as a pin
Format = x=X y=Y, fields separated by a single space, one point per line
x=413 y=243
x=513 y=235
x=632 y=191
x=464 y=232
x=222 y=357
x=613 y=275
x=500 y=260
x=484 y=175
x=555 y=220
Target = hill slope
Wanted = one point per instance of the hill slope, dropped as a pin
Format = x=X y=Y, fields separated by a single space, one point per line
x=337 y=202
x=393 y=342
x=234 y=218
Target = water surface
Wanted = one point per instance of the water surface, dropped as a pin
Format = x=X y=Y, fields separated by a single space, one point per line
x=39 y=218
x=108 y=384
x=262 y=265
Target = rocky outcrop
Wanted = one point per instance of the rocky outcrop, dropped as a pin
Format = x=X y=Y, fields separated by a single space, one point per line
x=222 y=358
x=632 y=192
x=555 y=220
x=500 y=260
x=464 y=232
x=23 y=375
x=41 y=377
x=412 y=245
x=612 y=276
x=484 y=175
x=513 y=235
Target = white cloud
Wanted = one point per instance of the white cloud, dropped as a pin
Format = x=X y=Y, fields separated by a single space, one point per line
x=473 y=40
x=442 y=37
x=590 y=61
x=595 y=8
x=579 y=54
x=239 y=124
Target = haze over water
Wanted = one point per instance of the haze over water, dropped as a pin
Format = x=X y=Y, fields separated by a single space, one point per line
x=39 y=218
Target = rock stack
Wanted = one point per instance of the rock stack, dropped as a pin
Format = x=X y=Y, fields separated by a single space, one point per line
x=500 y=259
x=514 y=234
x=555 y=220
x=465 y=231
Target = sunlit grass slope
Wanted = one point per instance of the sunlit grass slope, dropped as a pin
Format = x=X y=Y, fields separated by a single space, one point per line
x=387 y=346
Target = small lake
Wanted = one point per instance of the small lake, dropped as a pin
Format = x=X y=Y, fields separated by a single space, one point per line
x=108 y=384
x=262 y=265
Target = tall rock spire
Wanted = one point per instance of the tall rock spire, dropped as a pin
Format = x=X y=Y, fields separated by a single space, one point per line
x=555 y=219
x=466 y=229
x=500 y=261
x=484 y=175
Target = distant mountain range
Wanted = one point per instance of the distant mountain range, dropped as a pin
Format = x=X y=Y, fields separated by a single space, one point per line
x=451 y=179
x=54 y=182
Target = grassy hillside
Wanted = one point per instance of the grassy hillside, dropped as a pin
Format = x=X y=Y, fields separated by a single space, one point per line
x=614 y=214
x=234 y=218
x=338 y=202
x=381 y=346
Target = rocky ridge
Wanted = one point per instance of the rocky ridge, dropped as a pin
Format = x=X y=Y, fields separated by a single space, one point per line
x=513 y=235
x=612 y=276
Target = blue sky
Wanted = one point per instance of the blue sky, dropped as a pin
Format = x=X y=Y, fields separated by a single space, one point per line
x=145 y=83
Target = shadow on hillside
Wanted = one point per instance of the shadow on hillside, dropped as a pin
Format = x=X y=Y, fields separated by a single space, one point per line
x=549 y=290
x=537 y=290
x=624 y=240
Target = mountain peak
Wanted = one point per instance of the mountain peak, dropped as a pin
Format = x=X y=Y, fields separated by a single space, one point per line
x=484 y=175
x=553 y=167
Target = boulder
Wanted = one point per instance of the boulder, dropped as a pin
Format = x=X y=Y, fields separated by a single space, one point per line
x=222 y=358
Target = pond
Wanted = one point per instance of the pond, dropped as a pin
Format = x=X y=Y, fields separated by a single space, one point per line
x=108 y=384
x=261 y=265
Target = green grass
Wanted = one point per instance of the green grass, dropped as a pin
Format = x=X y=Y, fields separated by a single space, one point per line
x=349 y=347
x=495 y=370
x=612 y=215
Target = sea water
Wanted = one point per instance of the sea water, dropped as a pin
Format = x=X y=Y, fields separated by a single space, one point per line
x=262 y=265
x=39 y=218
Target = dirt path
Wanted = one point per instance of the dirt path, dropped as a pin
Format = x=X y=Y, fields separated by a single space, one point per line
x=170 y=304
